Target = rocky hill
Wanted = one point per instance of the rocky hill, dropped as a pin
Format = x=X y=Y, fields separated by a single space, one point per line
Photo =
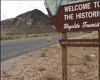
x=34 y=21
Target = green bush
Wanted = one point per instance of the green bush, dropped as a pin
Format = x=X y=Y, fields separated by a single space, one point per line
x=86 y=58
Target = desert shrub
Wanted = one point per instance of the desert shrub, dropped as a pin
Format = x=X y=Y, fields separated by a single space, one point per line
x=46 y=34
x=86 y=58
x=50 y=76
x=6 y=37
x=43 y=55
x=42 y=69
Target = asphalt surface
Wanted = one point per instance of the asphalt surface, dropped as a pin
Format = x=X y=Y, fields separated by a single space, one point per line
x=13 y=48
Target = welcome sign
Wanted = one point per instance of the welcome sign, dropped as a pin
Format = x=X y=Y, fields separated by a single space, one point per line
x=81 y=16
x=71 y=16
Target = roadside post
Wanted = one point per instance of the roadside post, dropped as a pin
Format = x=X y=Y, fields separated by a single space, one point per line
x=99 y=52
x=75 y=16
x=64 y=58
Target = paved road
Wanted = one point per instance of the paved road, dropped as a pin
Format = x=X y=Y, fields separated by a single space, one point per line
x=12 y=48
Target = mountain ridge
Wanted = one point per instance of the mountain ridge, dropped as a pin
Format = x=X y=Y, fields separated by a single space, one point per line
x=34 y=21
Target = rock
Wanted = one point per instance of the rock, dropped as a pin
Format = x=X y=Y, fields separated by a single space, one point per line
x=34 y=21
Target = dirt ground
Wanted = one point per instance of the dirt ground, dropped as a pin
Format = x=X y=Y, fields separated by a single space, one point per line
x=46 y=64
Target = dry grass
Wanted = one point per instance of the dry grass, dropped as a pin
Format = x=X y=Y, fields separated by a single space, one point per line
x=32 y=66
x=50 y=76
x=24 y=36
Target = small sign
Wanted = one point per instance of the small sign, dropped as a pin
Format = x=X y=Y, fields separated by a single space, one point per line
x=53 y=6
x=80 y=42
x=81 y=16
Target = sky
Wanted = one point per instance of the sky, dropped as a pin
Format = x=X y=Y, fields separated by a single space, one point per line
x=12 y=8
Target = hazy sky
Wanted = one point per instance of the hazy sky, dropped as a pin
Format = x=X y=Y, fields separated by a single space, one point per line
x=12 y=8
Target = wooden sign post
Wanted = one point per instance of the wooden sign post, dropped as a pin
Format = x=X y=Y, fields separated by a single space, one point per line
x=99 y=52
x=64 y=58
x=73 y=16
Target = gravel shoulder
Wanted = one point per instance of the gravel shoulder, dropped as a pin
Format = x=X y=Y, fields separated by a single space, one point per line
x=46 y=64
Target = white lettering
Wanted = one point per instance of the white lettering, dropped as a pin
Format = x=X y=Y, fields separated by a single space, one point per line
x=69 y=27
x=86 y=25
x=78 y=7
x=68 y=17
x=97 y=4
x=87 y=15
